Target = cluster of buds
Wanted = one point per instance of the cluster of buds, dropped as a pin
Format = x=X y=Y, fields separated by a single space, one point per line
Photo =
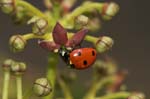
x=18 y=13
x=109 y=10
x=17 y=43
x=16 y=68
x=42 y=87
x=66 y=5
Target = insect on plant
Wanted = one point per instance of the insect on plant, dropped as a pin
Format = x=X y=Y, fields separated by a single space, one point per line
x=60 y=29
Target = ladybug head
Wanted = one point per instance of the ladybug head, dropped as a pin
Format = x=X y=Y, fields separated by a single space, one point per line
x=64 y=53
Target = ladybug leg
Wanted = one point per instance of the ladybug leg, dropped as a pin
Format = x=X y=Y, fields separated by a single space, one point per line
x=71 y=66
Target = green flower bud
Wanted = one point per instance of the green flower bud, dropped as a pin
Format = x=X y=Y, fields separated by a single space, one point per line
x=112 y=9
x=18 y=68
x=40 y=26
x=42 y=87
x=94 y=24
x=17 y=43
x=109 y=10
x=136 y=95
x=20 y=16
x=7 y=6
x=104 y=43
x=7 y=64
x=82 y=20
x=67 y=5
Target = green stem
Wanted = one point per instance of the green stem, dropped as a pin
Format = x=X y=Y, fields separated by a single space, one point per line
x=88 y=38
x=29 y=36
x=51 y=72
x=48 y=36
x=28 y=94
x=65 y=89
x=119 y=95
x=6 y=85
x=68 y=20
x=33 y=11
x=19 y=86
x=56 y=12
x=97 y=85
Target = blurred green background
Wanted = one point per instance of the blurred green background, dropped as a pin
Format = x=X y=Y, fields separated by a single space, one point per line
x=129 y=29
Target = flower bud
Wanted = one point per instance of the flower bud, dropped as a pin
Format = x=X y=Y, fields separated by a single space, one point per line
x=119 y=78
x=109 y=10
x=136 y=95
x=94 y=24
x=48 y=4
x=104 y=43
x=67 y=5
x=17 y=43
x=42 y=87
x=7 y=64
x=82 y=20
x=7 y=6
x=40 y=26
x=18 y=68
x=20 y=16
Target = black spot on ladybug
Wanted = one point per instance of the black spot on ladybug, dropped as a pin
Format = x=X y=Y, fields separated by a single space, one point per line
x=93 y=53
x=79 y=53
x=84 y=62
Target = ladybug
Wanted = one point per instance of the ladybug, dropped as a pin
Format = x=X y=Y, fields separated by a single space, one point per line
x=81 y=58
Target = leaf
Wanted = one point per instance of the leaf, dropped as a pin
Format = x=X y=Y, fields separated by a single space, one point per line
x=48 y=45
x=59 y=34
x=77 y=38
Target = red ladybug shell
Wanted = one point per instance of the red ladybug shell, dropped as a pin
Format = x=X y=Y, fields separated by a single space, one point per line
x=83 y=58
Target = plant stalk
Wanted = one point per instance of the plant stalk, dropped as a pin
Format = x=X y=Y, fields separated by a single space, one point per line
x=6 y=85
x=51 y=73
x=65 y=88
x=19 y=86
x=97 y=85
x=119 y=95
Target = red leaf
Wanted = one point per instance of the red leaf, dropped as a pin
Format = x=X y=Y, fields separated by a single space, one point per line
x=77 y=38
x=48 y=45
x=59 y=34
